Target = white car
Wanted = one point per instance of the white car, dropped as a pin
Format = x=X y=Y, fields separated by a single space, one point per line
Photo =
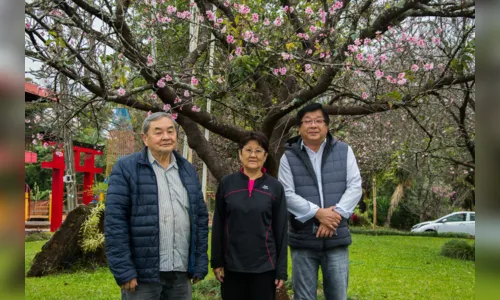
x=460 y=222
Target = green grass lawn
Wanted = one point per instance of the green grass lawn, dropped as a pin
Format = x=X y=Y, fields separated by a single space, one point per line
x=381 y=267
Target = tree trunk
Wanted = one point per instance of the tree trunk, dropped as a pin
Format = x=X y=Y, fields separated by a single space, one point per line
x=63 y=250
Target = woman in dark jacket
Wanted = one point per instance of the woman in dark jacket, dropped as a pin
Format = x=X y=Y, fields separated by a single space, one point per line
x=249 y=229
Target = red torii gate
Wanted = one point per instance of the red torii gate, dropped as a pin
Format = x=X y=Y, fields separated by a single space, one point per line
x=58 y=166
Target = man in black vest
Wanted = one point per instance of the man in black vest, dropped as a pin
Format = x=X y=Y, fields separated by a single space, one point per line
x=322 y=186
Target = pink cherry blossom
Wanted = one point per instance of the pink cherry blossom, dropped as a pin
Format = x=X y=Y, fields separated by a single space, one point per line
x=195 y=109
x=194 y=81
x=121 y=91
x=360 y=57
x=309 y=51
x=429 y=66
x=309 y=11
x=266 y=22
x=441 y=66
x=149 y=113
x=177 y=100
x=308 y=69
x=339 y=4
x=277 y=22
x=285 y=9
x=174 y=116
x=220 y=20
x=370 y=58
x=367 y=41
x=255 y=17
x=59 y=153
x=37 y=119
x=168 y=78
x=313 y=28
x=357 y=42
x=421 y=43
x=186 y=93
x=401 y=75
x=166 y=107
x=402 y=81
x=254 y=40
x=364 y=95
x=150 y=61
x=161 y=83
x=286 y=56
x=247 y=35
x=39 y=136
x=283 y=71
x=389 y=78
x=352 y=48
x=436 y=40
x=27 y=26
x=230 y=39
x=383 y=58
x=154 y=96
x=276 y=71
x=244 y=9
x=210 y=15
x=414 y=68
x=120 y=56
x=180 y=107
x=291 y=9
x=230 y=57
x=238 y=51
x=27 y=121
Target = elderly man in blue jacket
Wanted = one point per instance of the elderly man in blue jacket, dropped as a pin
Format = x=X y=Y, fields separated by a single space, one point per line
x=156 y=223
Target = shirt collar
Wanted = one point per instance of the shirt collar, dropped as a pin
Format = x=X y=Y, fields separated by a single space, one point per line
x=302 y=145
x=173 y=160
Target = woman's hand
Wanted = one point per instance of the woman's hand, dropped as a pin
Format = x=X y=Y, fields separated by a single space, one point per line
x=279 y=283
x=219 y=274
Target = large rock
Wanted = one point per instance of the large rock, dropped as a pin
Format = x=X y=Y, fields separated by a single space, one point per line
x=63 y=252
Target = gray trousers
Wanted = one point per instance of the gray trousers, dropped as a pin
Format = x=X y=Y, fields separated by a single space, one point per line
x=334 y=265
x=172 y=286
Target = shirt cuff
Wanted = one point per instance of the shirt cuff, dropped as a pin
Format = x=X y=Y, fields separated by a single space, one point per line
x=308 y=216
x=342 y=212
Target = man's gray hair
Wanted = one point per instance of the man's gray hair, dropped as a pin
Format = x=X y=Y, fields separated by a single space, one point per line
x=155 y=116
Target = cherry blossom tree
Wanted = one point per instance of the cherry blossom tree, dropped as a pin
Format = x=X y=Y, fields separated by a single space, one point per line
x=270 y=58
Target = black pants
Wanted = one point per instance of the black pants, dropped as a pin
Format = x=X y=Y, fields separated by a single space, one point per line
x=248 y=286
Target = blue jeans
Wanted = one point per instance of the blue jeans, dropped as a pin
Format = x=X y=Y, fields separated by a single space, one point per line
x=334 y=265
x=172 y=286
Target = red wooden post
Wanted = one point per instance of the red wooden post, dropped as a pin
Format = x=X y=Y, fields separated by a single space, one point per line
x=57 y=165
x=88 y=169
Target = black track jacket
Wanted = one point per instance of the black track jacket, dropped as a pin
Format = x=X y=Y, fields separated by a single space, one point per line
x=249 y=228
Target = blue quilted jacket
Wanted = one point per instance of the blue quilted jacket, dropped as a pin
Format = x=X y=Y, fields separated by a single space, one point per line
x=131 y=225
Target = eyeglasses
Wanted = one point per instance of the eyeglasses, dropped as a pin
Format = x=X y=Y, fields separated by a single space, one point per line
x=317 y=122
x=248 y=152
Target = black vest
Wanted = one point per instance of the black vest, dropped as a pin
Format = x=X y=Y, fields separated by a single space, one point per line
x=333 y=177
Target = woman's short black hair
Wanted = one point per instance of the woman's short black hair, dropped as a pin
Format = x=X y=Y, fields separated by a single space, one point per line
x=259 y=137
x=310 y=108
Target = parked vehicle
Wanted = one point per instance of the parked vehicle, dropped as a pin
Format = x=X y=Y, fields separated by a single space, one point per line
x=460 y=222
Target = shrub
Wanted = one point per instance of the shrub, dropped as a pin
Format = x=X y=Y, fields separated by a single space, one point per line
x=34 y=236
x=459 y=249
x=386 y=231
x=360 y=219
